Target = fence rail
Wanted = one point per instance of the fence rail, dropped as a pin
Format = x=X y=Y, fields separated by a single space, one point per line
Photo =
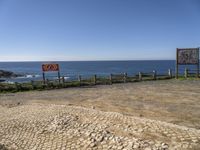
x=190 y=73
x=80 y=80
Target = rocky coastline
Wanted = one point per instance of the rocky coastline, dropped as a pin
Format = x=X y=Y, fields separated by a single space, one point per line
x=7 y=74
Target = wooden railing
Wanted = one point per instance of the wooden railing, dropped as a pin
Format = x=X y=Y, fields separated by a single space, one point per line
x=86 y=81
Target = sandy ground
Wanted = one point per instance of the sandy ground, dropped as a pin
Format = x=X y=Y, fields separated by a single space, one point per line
x=172 y=101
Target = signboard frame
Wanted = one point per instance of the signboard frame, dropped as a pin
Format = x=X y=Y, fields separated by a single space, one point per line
x=190 y=57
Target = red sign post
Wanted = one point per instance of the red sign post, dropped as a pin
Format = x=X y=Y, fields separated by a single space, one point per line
x=50 y=67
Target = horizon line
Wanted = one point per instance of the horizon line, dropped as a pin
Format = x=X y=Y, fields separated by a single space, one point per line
x=87 y=60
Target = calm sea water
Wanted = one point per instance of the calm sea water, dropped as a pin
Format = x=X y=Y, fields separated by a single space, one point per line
x=71 y=69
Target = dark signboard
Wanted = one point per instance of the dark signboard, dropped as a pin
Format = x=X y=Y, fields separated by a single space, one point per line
x=188 y=56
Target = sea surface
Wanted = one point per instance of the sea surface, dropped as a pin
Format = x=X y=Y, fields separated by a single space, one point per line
x=71 y=69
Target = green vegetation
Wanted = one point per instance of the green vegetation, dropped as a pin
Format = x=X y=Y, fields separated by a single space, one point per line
x=39 y=85
x=188 y=78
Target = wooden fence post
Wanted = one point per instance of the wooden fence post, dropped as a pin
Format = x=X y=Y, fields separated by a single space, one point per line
x=111 y=78
x=79 y=79
x=47 y=81
x=140 y=76
x=170 y=73
x=59 y=76
x=18 y=86
x=32 y=84
x=63 y=79
x=95 y=79
x=186 y=73
x=125 y=77
x=154 y=74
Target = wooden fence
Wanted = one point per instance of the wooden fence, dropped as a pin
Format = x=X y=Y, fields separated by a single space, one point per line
x=190 y=73
x=112 y=78
x=86 y=81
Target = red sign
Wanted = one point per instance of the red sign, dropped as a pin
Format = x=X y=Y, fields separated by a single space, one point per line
x=50 y=67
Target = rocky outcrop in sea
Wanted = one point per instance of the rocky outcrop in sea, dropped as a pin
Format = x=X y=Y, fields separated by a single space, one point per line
x=8 y=74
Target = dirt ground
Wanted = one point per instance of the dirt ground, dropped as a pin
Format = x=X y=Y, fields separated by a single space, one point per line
x=151 y=115
x=172 y=101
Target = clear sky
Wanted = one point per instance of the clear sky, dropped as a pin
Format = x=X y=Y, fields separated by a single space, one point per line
x=97 y=29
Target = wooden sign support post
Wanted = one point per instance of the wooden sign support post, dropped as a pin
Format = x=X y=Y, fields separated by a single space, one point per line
x=177 y=64
x=198 y=64
x=59 y=76
x=43 y=74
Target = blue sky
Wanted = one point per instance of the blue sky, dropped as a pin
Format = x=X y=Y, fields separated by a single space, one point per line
x=97 y=29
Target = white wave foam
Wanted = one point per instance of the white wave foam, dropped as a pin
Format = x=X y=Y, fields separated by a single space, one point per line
x=66 y=78
x=61 y=78
x=9 y=82
x=29 y=76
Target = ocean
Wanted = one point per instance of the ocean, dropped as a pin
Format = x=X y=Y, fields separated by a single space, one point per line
x=71 y=69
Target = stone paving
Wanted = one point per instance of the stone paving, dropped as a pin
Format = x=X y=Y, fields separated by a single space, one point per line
x=52 y=127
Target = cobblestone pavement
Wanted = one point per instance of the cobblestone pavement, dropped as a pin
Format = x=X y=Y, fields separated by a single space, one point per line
x=43 y=127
